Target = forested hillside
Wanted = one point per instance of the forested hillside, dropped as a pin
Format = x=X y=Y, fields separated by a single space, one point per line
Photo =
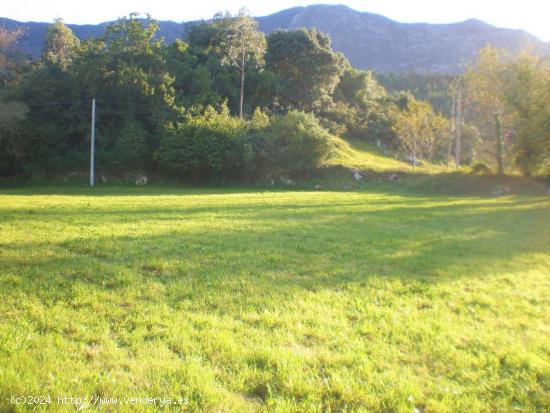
x=229 y=104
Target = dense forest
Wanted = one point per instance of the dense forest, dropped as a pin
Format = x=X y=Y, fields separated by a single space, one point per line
x=230 y=104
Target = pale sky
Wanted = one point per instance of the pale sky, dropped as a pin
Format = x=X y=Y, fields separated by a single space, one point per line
x=530 y=15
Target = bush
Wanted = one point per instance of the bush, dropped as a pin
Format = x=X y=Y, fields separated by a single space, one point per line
x=206 y=147
x=216 y=146
x=291 y=146
x=130 y=152
x=479 y=168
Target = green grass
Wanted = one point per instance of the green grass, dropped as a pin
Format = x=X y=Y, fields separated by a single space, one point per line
x=276 y=301
x=379 y=169
x=361 y=155
x=364 y=156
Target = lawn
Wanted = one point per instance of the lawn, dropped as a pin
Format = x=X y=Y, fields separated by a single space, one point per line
x=284 y=301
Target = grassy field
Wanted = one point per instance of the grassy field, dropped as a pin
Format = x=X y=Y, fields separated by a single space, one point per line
x=361 y=155
x=285 y=301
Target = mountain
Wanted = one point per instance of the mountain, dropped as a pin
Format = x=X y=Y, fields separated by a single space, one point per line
x=369 y=41
x=35 y=33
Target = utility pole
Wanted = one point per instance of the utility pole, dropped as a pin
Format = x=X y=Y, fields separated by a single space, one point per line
x=242 y=84
x=92 y=147
x=458 y=125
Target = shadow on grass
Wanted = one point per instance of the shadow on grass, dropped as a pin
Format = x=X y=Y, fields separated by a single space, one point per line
x=264 y=207
x=422 y=182
x=277 y=251
x=331 y=178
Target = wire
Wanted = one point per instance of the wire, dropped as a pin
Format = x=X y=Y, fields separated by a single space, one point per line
x=35 y=104
x=141 y=108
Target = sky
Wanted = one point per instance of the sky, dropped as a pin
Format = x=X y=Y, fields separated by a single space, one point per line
x=529 y=15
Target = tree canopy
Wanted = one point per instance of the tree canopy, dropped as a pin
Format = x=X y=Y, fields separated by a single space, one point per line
x=306 y=68
x=225 y=102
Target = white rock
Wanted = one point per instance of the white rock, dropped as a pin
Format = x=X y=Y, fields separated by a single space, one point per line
x=141 y=180
x=501 y=190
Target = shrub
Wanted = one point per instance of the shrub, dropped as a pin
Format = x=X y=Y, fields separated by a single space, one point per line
x=206 y=146
x=130 y=152
x=479 y=168
x=291 y=145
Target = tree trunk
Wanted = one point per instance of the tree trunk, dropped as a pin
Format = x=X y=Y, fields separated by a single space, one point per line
x=242 y=86
x=500 y=144
x=458 y=125
x=430 y=158
x=452 y=132
x=414 y=157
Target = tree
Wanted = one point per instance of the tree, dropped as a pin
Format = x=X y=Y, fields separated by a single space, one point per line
x=128 y=71
x=60 y=45
x=419 y=130
x=193 y=83
x=527 y=94
x=457 y=121
x=12 y=114
x=484 y=87
x=470 y=141
x=12 y=111
x=245 y=45
x=200 y=77
x=359 y=88
x=57 y=122
x=290 y=145
x=307 y=68
x=435 y=136
x=431 y=87
x=8 y=38
x=135 y=65
x=358 y=106
x=212 y=145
